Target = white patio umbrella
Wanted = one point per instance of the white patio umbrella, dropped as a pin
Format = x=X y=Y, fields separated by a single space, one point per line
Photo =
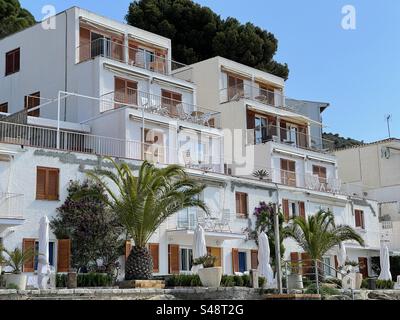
x=342 y=255
x=385 y=263
x=264 y=268
x=199 y=246
x=43 y=255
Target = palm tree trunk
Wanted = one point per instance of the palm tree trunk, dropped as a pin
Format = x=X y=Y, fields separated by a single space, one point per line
x=139 y=265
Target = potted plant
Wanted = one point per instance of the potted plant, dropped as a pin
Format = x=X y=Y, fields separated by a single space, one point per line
x=295 y=279
x=2 y=259
x=15 y=261
x=261 y=174
x=210 y=275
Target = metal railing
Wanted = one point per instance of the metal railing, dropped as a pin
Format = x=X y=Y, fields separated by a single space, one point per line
x=42 y=137
x=252 y=92
x=126 y=54
x=11 y=205
x=188 y=219
x=296 y=136
x=164 y=106
x=295 y=179
x=309 y=272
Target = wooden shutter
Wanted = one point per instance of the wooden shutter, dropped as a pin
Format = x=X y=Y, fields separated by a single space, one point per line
x=294 y=259
x=53 y=184
x=241 y=204
x=173 y=258
x=362 y=219
x=285 y=207
x=359 y=216
x=306 y=263
x=363 y=266
x=128 y=248
x=154 y=251
x=235 y=260
x=64 y=255
x=302 y=209
x=84 y=44
x=254 y=259
x=41 y=174
x=250 y=119
x=217 y=252
x=28 y=245
x=336 y=262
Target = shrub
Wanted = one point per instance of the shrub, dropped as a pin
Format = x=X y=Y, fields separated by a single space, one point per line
x=207 y=261
x=364 y=283
x=384 y=284
x=86 y=280
x=261 y=282
x=12 y=286
x=227 y=281
x=323 y=290
x=238 y=281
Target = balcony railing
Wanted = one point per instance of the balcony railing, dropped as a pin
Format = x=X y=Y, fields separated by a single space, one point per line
x=129 y=55
x=41 y=137
x=295 y=179
x=296 y=137
x=189 y=219
x=162 y=106
x=11 y=205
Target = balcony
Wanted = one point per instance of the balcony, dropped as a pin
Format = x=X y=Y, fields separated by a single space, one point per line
x=41 y=137
x=295 y=179
x=129 y=55
x=162 y=106
x=11 y=210
x=295 y=136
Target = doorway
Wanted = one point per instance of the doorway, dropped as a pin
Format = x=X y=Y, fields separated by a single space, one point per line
x=242 y=262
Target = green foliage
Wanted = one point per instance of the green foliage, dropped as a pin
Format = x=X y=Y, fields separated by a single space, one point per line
x=394 y=266
x=261 y=282
x=261 y=174
x=238 y=281
x=144 y=202
x=338 y=141
x=318 y=233
x=364 y=283
x=207 y=261
x=265 y=222
x=3 y=260
x=94 y=230
x=384 y=284
x=12 y=286
x=323 y=290
x=13 y=18
x=17 y=258
x=86 y=280
x=193 y=280
x=228 y=281
x=197 y=33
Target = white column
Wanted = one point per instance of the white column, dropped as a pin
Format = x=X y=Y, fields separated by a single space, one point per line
x=278 y=128
x=126 y=48
x=309 y=135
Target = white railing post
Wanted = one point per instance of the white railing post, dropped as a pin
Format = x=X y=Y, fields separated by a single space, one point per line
x=58 y=118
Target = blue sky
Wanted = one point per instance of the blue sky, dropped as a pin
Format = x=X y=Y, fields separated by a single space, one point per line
x=356 y=71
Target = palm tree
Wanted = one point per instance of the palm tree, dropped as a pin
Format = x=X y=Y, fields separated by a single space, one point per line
x=318 y=233
x=144 y=202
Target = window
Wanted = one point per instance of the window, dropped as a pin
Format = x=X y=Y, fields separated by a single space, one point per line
x=4 y=107
x=100 y=45
x=327 y=266
x=12 y=61
x=260 y=129
x=47 y=183
x=359 y=216
x=288 y=172
x=267 y=94
x=186 y=259
x=321 y=173
x=170 y=100
x=51 y=254
x=125 y=92
x=241 y=205
x=32 y=101
x=235 y=87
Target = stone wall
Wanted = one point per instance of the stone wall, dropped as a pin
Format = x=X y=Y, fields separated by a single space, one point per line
x=229 y=293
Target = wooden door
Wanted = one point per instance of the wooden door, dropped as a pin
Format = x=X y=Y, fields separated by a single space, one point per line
x=363 y=266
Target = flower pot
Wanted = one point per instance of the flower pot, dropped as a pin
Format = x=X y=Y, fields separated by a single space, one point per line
x=210 y=277
x=295 y=281
x=359 y=278
x=17 y=279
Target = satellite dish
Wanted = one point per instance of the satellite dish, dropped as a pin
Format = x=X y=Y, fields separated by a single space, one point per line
x=385 y=152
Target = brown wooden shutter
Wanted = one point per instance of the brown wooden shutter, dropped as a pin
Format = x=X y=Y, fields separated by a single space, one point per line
x=235 y=260
x=254 y=259
x=302 y=209
x=41 y=183
x=64 y=255
x=285 y=207
x=294 y=259
x=209 y=251
x=358 y=218
x=173 y=258
x=53 y=184
x=154 y=251
x=128 y=248
x=306 y=263
x=217 y=252
x=250 y=119
x=84 y=44
x=363 y=266
x=336 y=262
x=28 y=245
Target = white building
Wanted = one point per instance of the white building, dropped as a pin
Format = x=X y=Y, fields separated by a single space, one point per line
x=121 y=95
x=373 y=170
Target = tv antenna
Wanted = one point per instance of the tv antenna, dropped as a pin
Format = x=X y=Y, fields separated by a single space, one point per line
x=388 y=118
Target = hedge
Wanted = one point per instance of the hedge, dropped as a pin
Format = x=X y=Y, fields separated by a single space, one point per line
x=189 y=280
x=86 y=280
